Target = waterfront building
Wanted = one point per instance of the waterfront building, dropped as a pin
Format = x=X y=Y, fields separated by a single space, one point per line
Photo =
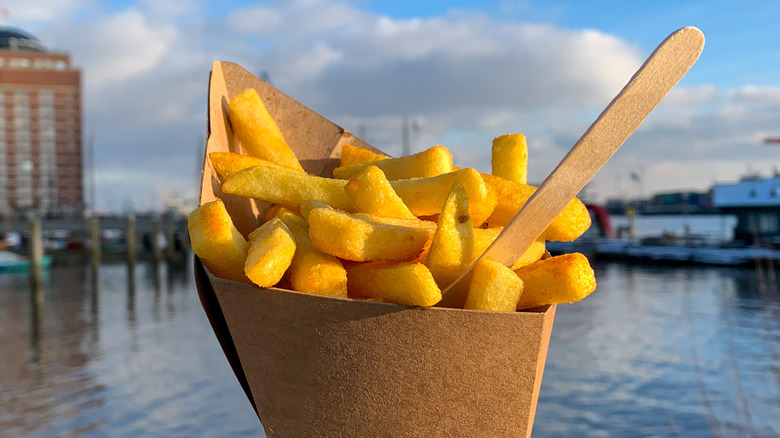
x=41 y=164
x=755 y=201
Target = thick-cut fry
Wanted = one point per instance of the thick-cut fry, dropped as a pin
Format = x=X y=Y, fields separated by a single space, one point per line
x=425 y=196
x=352 y=155
x=370 y=192
x=361 y=239
x=312 y=271
x=257 y=131
x=286 y=187
x=407 y=283
x=493 y=287
x=484 y=237
x=452 y=248
x=567 y=226
x=228 y=163
x=273 y=211
x=563 y=279
x=271 y=250
x=510 y=157
x=532 y=254
x=430 y=162
x=217 y=242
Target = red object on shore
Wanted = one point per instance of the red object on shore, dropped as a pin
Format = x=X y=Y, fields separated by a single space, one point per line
x=600 y=218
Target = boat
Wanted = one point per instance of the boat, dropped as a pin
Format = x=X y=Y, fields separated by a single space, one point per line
x=599 y=243
x=13 y=262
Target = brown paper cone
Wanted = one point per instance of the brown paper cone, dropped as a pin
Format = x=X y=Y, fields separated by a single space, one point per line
x=318 y=366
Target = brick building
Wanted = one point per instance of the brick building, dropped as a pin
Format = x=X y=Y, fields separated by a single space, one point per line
x=41 y=164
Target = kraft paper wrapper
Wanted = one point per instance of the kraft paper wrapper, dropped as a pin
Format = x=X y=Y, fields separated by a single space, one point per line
x=318 y=366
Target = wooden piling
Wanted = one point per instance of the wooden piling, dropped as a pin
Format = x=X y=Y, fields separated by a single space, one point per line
x=36 y=252
x=156 y=250
x=94 y=228
x=169 y=237
x=130 y=239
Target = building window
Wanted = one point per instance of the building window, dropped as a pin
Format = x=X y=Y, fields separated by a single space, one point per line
x=47 y=151
x=767 y=223
x=24 y=164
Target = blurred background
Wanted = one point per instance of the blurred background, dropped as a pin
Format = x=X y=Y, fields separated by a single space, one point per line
x=102 y=133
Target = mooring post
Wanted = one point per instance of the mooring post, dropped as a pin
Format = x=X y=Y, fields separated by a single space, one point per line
x=130 y=239
x=94 y=228
x=36 y=251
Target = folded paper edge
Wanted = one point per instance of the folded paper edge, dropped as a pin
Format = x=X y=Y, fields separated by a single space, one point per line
x=210 y=304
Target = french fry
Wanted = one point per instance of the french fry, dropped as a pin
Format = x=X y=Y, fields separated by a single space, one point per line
x=286 y=187
x=509 y=157
x=361 y=239
x=228 y=163
x=562 y=279
x=567 y=226
x=423 y=196
x=257 y=131
x=484 y=237
x=352 y=155
x=408 y=283
x=370 y=192
x=493 y=287
x=426 y=196
x=273 y=211
x=433 y=161
x=532 y=254
x=271 y=250
x=452 y=248
x=312 y=271
x=217 y=242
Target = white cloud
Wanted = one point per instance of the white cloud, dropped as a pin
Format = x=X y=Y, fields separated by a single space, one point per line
x=124 y=46
x=26 y=11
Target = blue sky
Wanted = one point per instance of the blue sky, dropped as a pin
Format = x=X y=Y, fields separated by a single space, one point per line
x=467 y=71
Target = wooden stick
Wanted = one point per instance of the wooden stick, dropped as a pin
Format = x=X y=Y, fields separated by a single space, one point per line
x=649 y=85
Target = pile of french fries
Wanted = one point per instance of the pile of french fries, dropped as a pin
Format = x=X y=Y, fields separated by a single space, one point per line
x=385 y=229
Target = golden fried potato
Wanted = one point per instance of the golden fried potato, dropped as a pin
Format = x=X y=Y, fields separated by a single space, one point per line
x=567 y=226
x=257 y=131
x=286 y=187
x=562 y=279
x=228 y=163
x=426 y=196
x=352 y=155
x=493 y=287
x=532 y=254
x=484 y=237
x=370 y=192
x=433 y=161
x=217 y=242
x=408 y=283
x=271 y=250
x=452 y=248
x=312 y=271
x=362 y=239
x=273 y=211
x=510 y=157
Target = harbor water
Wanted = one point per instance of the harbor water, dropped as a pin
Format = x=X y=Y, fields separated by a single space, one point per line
x=655 y=351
